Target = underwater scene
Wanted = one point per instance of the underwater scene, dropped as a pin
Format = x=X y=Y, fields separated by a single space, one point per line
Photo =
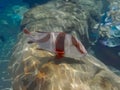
x=59 y=44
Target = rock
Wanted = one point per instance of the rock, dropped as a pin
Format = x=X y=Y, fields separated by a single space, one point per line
x=109 y=29
x=69 y=16
x=32 y=3
x=15 y=13
x=34 y=69
x=111 y=42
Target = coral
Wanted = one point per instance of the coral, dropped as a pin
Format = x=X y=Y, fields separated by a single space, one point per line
x=110 y=28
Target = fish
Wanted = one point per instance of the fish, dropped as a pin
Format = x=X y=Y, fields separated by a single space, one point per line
x=60 y=43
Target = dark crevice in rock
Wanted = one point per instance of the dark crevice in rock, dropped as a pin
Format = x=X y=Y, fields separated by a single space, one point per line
x=33 y=3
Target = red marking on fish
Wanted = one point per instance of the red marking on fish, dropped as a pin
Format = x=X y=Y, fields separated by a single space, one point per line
x=77 y=45
x=26 y=31
x=44 y=39
x=59 y=45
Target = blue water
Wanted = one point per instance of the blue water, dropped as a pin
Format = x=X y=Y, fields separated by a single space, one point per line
x=10 y=28
x=11 y=14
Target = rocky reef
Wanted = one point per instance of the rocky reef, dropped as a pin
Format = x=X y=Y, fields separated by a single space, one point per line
x=34 y=69
x=110 y=27
x=62 y=15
